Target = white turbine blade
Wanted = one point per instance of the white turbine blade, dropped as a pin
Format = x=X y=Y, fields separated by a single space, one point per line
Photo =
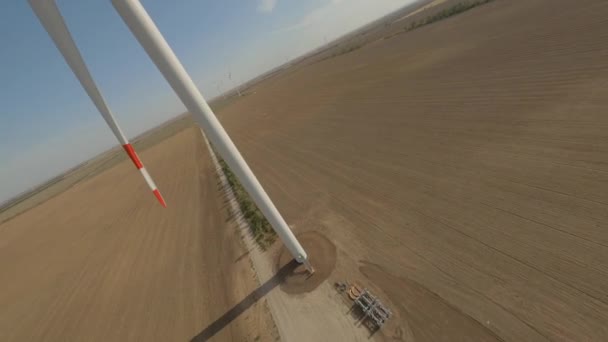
x=155 y=45
x=50 y=17
x=53 y=22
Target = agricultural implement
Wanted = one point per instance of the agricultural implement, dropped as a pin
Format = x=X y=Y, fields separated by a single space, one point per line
x=374 y=312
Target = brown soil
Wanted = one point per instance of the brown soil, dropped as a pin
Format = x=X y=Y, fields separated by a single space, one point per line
x=429 y=317
x=322 y=255
x=466 y=158
x=104 y=262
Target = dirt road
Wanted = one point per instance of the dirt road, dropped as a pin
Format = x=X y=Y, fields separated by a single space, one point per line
x=104 y=262
x=460 y=169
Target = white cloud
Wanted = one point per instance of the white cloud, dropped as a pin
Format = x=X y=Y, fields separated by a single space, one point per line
x=337 y=17
x=266 y=6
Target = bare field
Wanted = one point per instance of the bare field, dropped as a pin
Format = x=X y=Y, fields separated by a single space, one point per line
x=89 y=169
x=460 y=169
x=103 y=261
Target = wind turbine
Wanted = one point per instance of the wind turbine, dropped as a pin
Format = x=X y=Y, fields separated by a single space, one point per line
x=218 y=86
x=53 y=22
x=238 y=90
x=157 y=48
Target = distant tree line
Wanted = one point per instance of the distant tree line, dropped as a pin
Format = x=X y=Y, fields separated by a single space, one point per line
x=446 y=13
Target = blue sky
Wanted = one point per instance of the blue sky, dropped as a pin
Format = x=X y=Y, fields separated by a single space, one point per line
x=48 y=124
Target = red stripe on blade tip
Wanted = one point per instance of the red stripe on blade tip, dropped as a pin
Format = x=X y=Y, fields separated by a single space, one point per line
x=131 y=152
x=160 y=198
